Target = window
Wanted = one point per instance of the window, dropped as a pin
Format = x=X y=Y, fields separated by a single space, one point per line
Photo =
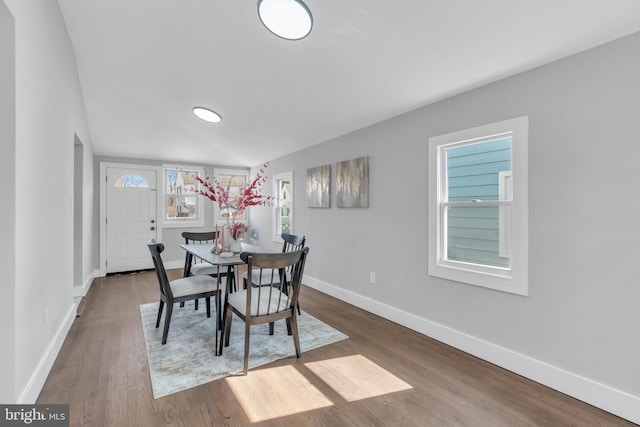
x=131 y=181
x=182 y=205
x=283 y=205
x=478 y=206
x=236 y=180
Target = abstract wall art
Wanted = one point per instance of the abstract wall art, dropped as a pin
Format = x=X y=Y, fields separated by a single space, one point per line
x=318 y=187
x=352 y=183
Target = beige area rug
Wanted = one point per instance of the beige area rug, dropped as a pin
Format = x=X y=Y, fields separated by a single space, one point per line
x=188 y=358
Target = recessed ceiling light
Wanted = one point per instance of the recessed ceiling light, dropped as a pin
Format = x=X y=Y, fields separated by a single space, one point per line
x=207 y=114
x=289 y=19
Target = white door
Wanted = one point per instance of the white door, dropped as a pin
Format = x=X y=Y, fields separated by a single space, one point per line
x=131 y=218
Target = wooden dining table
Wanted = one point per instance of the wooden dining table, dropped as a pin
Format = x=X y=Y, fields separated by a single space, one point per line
x=203 y=251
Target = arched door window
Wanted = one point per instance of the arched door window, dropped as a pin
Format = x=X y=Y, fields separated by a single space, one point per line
x=131 y=181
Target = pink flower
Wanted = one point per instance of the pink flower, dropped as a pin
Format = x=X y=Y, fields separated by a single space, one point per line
x=237 y=228
x=250 y=195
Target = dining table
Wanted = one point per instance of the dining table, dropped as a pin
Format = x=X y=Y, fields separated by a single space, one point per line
x=228 y=260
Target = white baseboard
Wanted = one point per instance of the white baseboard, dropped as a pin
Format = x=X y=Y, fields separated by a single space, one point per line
x=607 y=398
x=81 y=291
x=33 y=388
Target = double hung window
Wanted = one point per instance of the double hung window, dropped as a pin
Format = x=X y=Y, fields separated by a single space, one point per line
x=478 y=209
x=283 y=205
x=182 y=206
x=235 y=181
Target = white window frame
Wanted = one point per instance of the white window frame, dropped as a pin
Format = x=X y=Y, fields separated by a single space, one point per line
x=277 y=206
x=516 y=278
x=216 y=210
x=505 y=190
x=162 y=201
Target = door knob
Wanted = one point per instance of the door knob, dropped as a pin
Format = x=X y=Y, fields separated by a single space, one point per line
x=153 y=228
x=153 y=221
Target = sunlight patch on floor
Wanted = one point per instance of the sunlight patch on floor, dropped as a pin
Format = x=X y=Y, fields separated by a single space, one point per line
x=276 y=392
x=356 y=377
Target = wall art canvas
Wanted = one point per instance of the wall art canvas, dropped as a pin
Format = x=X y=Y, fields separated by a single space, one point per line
x=352 y=183
x=318 y=187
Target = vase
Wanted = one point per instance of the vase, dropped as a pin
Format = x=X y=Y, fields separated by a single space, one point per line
x=236 y=246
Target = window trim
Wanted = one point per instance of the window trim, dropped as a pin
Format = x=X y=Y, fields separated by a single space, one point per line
x=162 y=200
x=516 y=278
x=276 y=206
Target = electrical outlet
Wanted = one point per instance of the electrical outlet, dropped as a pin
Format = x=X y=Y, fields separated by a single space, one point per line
x=372 y=278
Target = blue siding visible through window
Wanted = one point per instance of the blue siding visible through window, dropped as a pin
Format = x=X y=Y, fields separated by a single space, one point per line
x=473 y=174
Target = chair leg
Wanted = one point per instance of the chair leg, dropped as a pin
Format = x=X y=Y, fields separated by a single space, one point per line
x=271 y=328
x=195 y=304
x=247 y=334
x=182 y=304
x=167 y=321
x=289 y=331
x=207 y=301
x=294 y=329
x=159 y=313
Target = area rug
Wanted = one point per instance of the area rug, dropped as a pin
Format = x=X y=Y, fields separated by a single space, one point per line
x=188 y=358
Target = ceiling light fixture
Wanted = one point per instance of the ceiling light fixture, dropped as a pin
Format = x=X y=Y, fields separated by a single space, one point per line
x=289 y=19
x=207 y=115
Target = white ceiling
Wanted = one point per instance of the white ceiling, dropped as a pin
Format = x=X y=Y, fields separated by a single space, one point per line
x=144 y=64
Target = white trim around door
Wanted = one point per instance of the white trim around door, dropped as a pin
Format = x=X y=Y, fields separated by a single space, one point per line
x=103 y=206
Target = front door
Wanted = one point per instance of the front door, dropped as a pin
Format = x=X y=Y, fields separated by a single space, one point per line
x=131 y=218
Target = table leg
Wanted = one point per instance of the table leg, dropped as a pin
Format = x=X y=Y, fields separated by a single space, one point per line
x=187 y=265
x=222 y=324
x=229 y=286
x=218 y=309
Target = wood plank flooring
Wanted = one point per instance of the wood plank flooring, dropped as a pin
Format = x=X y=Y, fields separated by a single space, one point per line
x=383 y=375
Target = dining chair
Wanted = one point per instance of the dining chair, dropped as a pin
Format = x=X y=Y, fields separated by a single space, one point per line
x=267 y=304
x=291 y=242
x=179 y=290
x=198 y=267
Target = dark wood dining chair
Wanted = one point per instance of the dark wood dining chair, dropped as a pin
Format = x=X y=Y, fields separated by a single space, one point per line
x=179 y=290
x=290 y=243
x=267 y=304
x=196 y=266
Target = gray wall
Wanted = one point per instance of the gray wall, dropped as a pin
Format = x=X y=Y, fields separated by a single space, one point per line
x=583 y=311
x=7 y=207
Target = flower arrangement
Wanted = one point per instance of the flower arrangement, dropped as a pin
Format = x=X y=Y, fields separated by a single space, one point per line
x=250 y=195
x=237 y=229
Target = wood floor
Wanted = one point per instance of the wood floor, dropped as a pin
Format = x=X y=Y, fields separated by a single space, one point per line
x=383 y=375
